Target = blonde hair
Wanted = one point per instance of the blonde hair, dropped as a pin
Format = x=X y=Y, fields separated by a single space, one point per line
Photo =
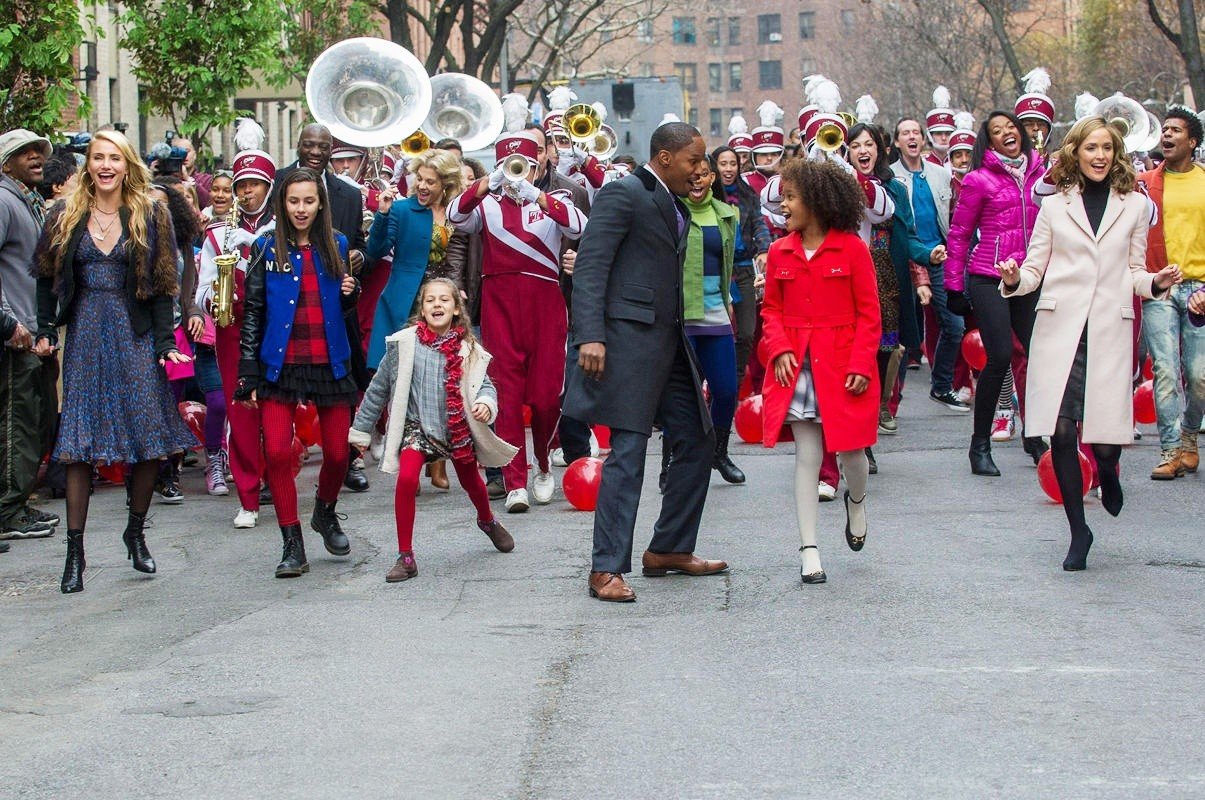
x=446 y=166
x=460 y=313
x=1066 y=173
x=135 y=194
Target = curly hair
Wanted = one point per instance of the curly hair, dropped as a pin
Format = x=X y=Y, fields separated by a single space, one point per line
x=830 y=193
x=1066 y=173
x=446 y=166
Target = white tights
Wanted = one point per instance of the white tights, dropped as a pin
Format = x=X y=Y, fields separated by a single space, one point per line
x=809 y=452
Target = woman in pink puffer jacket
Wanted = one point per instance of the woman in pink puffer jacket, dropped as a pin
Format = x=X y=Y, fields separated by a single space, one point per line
x=992 y=222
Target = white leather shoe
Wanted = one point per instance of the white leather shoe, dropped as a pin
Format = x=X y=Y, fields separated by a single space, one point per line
x=543 y=487
x=825 y=492
x=557 y=457
x=246 y=519
x=516 y=501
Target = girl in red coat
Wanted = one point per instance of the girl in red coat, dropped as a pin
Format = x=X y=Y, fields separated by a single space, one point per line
x=821 y=328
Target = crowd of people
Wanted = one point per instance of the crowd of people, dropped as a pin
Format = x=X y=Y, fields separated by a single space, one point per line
x=428 y=308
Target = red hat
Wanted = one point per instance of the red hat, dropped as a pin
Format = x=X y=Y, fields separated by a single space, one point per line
x=940 y=120
x=741 y=142
x=512 y=143
x=805 y=115
x=553 y=120
x=820 y=120
x=388 y=162
x=962 y=140
x=341 y=149
x=254 y=164
x=768 y=139
x=1035 y=105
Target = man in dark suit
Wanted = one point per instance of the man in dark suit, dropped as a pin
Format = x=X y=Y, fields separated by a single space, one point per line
x=347 y=217
x=635 y=366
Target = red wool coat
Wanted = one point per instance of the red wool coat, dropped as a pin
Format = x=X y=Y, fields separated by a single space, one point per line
x=826 y=307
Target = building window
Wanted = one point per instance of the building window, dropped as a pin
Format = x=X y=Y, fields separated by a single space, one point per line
x=769 y=28
x=769 y=74
x=734 y=77
x=807 y=24
x=644 y=31
x=646 y=69
x=713 y=31
x=734 y=30
x=688 y=75
x=692 y=117
x=715 y=121
x=808 y=66
x=715 y=77
x=684 y=30
x=849 y=20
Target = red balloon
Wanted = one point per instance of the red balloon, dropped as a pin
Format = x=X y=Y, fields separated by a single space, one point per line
x=193 y=414
x=305 y=423
x=973 y=350
x=747 y=420
x=581 y=482
x=298 y=455
x=1050 y=484
x=1148 y=369
x=113 y=473
x=603 y=434
x=1144 y=403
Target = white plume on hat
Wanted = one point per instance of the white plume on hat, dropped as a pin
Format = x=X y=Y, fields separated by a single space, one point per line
x=514 y=112
x=866 y=109
x=769 y=113
x=737 y=125
x=810 y=83
x=1084 y=103
x=941 y=97
x=1037 y=81
x=964 y=121
x=248 y=135
x=601 y=108
x=560 y=98
x=827 y=97
x=668 y=118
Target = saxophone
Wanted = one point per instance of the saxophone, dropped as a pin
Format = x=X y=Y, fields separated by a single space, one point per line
x=223 y=287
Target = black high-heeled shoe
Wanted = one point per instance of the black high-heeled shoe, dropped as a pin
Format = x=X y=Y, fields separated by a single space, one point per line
x=135 y=540
x=73 y=570
x=855 y=542
x=811 y=577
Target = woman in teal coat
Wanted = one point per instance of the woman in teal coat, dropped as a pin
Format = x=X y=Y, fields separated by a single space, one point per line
x=416 y=231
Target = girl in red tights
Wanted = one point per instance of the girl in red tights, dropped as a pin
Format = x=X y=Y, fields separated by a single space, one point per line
x=440 y=401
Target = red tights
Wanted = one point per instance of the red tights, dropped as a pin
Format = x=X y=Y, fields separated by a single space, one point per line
x=410 y=464
x=277 y=420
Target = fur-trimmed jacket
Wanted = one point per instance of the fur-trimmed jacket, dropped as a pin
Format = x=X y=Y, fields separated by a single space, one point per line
x=151 y=283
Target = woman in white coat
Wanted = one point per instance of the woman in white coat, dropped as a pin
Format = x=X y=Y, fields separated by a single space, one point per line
x=1087 y=257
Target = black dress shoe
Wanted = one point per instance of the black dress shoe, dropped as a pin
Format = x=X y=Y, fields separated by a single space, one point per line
x=811 y=577
x=1035 y=446
x=355 y=479
x=855 y=542
x=981 y=457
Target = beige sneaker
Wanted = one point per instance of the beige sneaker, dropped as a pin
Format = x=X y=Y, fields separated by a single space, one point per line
x=1170 y=467
x=1189 y=459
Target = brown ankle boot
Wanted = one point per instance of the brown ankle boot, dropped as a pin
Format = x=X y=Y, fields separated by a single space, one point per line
x=404 y=569
x=501 y=538
x=1189 y=458
x=437 y=471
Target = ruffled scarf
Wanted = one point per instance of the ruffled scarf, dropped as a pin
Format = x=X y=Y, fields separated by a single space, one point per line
x=1014 y=166
x=460 y=439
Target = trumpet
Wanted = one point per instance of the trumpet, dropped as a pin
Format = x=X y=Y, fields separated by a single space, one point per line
x=515 y=168
x=223 y=287
x=582 y=122
x=1039 y=142
x=416 y=144
x=830 y=138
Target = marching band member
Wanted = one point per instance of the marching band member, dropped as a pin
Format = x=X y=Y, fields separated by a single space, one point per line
x=254 y=174
x=810 y=84
x=524 y=323
x=769 y=141
x=1035 y=109
x=962 y=143
x=939 y=123
x=347 y=161
x=741 y=142
x=575 y=163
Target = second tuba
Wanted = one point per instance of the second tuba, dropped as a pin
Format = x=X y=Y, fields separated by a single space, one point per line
x=465 y=109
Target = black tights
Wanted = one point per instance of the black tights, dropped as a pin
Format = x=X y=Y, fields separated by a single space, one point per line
x=1064 y=455
x=999 y=318
x=79 y=486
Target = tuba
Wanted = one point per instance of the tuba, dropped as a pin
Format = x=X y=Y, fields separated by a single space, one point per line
x=1128 y=116
x=223 y=287
x=604 y=144
x=465 y=109
x=369 y=92
x=582 y=122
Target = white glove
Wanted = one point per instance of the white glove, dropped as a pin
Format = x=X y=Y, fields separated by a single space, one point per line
x=497 y=178
x=527 y=191
x=240 y=237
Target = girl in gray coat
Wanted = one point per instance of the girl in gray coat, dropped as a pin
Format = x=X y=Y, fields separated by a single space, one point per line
x=440 y=402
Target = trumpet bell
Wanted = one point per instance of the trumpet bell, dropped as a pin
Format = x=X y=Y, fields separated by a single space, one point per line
x=830 y=138
x=416 y=143
x=849 y=119
x=1128 y=116
x=515 y=167
x=582 y=122
x=369 y=92
x=465 y=109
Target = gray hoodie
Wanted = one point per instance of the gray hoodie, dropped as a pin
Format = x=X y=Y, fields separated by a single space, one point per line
x=19 y=232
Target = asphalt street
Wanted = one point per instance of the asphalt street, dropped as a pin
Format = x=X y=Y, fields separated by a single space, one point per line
x=951 y=658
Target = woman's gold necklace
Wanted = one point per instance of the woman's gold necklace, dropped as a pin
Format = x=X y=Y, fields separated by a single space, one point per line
x=103 y=229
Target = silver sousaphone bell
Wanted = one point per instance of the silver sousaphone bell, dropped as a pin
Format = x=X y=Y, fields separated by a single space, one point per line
x=1128 y=116
x=465 y=109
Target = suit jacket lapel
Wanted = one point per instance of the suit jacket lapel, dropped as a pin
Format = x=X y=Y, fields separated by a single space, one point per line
x=665 y=202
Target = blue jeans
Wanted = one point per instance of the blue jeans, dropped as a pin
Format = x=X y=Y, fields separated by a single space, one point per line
x=1177 y=350
x=950 y=330
x=717 y=359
